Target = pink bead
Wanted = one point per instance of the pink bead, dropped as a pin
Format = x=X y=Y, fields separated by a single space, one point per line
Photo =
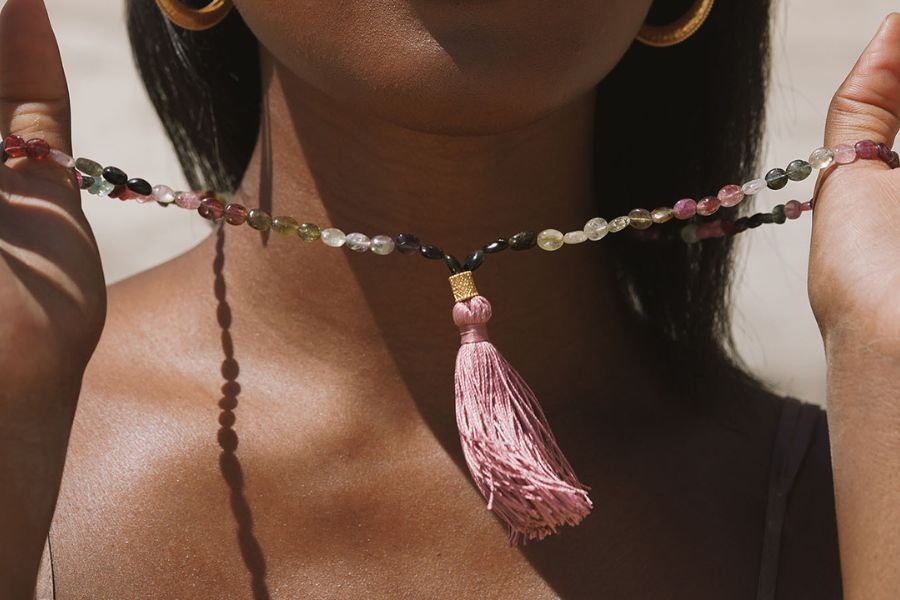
x=806 y=206
x=792 y=209
x=14 y=146
x=684 y=208
x=79 y=179
x=884 y=153
x=37 y=149
x=235 y=214
x=709 y=230
x=62 y=158
x=142 y=199
x=866 y=149
x=844 y=154
x=210 y=208
x=127 y=194
x=188 y=200
x=730 y=195
x=707 y=205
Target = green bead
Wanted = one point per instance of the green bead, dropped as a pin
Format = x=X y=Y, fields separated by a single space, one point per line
x=523 y=240
x=308 y=232
x=285 y=225
x=776 y=179
x=798 y=170
x=259 y=219
x=778 y=215
x=89 y=167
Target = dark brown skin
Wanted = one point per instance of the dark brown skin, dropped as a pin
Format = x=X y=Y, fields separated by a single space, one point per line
x=266 y=418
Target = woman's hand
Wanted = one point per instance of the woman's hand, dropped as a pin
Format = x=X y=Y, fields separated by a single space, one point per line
x=52 y=293
x=854 y=290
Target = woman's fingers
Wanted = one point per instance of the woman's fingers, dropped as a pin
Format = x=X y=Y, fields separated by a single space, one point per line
x=34 y=98
x=867 y=104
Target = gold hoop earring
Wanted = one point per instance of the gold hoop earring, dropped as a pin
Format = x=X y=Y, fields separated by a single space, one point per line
x=661 y=36
x=195 y=19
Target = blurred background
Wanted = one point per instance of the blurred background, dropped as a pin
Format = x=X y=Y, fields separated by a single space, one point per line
x=815 y=43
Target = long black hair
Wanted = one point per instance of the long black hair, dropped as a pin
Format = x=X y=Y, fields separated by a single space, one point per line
x=688 y=119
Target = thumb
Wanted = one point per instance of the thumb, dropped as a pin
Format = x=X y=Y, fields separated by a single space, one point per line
x=867 y=104
x=34 y=98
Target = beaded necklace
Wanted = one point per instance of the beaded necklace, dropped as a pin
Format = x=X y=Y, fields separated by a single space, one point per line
x=509 y=449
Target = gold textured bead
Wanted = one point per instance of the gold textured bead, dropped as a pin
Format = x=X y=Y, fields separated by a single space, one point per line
x=661 y=214
x=639 y=218
x=618 y=224
x=463 y=286
x=285 y=225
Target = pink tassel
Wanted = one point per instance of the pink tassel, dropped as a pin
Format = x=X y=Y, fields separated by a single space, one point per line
x=508 y=445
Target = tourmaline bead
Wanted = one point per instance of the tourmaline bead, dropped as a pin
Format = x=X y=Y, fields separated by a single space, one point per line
x=285 y=225
x=639 y=218
x=821 y=158
x=37 y=149
x=235 y=214
x=741 y=224
x=730 y=195
x=776 y=179
x=550 y=239
x=575 y=237
x=727 y=226
x=474 y=260
x=596 y=228
x=188 y=200
x=382 y=244
x=103 y=187
x=407 y=243
x=496 y=246
x=884 y=153
x=792 y=209
x=452 y=264
x=798 y=170
x=84 y=181
x=115 y=176
x=140 y=186
x=61 y=158
x=333 y=237
x=89 y=167
x=431 y=251
x=259 y=219
x=689 y=234
x=866 y=149
x=211 y=208
x=844 y=154
x=163 y=194
x=661 y=214
x=778 y=214
x=707 y=205
x=309 y=232
x=895 y=160
x=117 y=191
x=618 y=224
x=523 y=240
x=14 y=146
x=358 y=242
x=754 y=186
x=684 y=208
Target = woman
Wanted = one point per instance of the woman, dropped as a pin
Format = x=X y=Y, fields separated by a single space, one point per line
x=269 y=419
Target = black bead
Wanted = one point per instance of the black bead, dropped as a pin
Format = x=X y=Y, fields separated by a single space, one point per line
x=523 y=240
x=432 y=252
x=768 y=218
x=755 y=220
x=86 y=181
x=741 y=224
x=115 y=176
x=452 y=263
x=496 y=246
x=474 y=260
x=3 y=154
x=778 y=215
x=140 y=186
x=776 y=179
x=407 y=243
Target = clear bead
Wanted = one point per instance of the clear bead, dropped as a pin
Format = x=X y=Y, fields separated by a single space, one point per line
x=382 y=244
x=618 y=224
x=62 y=158
x=754 y=187
x=662 y=214
x=575 y=237
x=550 y=239
x=821 y=158
x=333 y=237
x=596 y=228
x=103 y=187
x=163 y=193
x=358 y=242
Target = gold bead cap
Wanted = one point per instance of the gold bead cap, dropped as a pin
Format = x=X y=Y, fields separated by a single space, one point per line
x=463 y=286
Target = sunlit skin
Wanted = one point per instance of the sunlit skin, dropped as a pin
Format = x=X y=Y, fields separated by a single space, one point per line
x=331 y=468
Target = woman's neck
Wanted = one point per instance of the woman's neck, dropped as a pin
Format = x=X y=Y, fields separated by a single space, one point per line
x=557 y=317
